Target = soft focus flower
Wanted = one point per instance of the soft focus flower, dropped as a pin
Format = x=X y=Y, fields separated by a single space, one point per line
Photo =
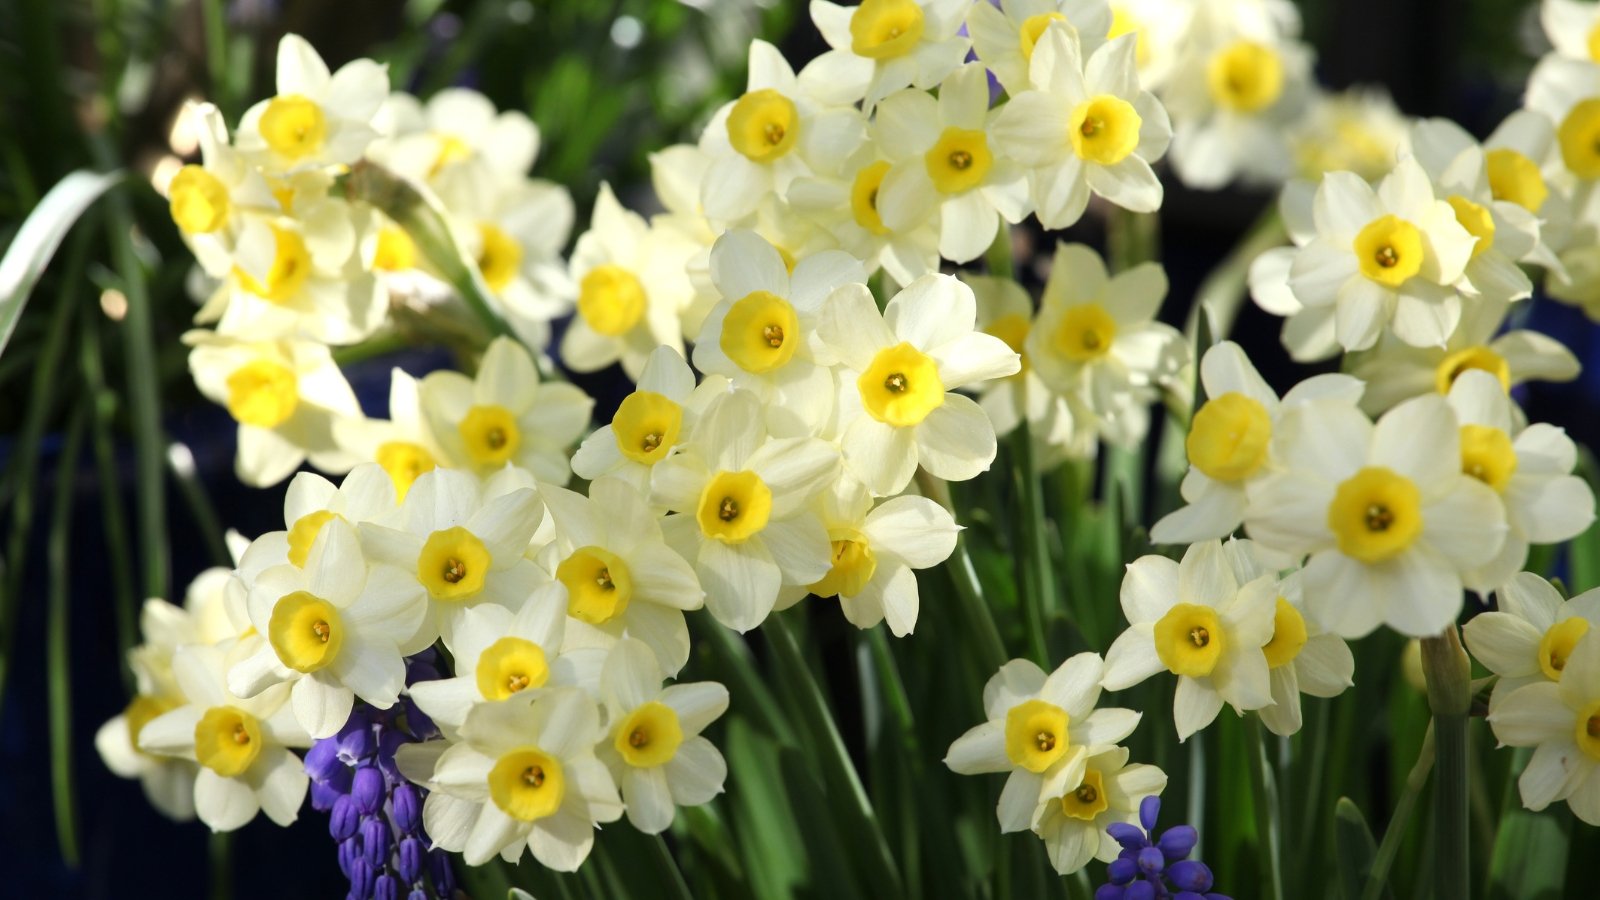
x=317 y=118
x=1562 y=721
x=881 y=46
x=1531 y=634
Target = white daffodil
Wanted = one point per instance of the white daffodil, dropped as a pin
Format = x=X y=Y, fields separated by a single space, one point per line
x=776 y=131
x=241 y=745
x=458 y=144
x=1086 y=126
x=1506 y=233
x=1042 y=730
x=632 y=289
x=505 y=414
x=658 y=416
x=463 y=542
x=1573 y=28
x=515 y=236
x=846 y=206
x=1005 y=35
x=652 y=743
x=1561 y=720
x=762 y=335
x=402 y=444
x=742 y=500
x=1160 y=29
x=336 y=629
x=881 y=46
x=365 y=495
x=1233 y=95
x=897 y=405
x=1096 y=335
x=1385 y=259
x=621 y=578
x=168 y=782
x=875 y=549
x=1073 y=825
x=1230 y=442
x=1530 y=468
x=1530 y=635
x=524 y=776
x=317 y=118
x=285 y=395
x=1301 y=657
x=1392 y=524
x=1395 y=371
x=1358 y=130
x=500 y=653
x=211 y=202
x=943 y=162
x=1059 y=424
x=1205 y=621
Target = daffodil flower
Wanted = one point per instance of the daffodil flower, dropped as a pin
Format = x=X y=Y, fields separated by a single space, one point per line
x=317 y=119
x=881 y=46
x=649 y=423
x=1531 y=634
x=1073 y=825
x=1561 y=720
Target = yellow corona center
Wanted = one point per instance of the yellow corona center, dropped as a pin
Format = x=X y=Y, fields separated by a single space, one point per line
x=1246 y=77
x=491 y=435
x=227 y=740
x=611 y=299
x=291 y=266
x=262 y=393
x=734 y=506
x=853 y=566
x=140 y=711
x=198 y=200
x=1088 y=799
x=1480 y=357
x=901 y=386
x=1587 y=730
x=499 y=256
x=1036 y=734
x=1487 y=455
x=293 y=126
x=1228 y=440
x=452 y=149
x=959 y=160
x=305 y=631
x=396 y=252
x=1104 y=129
x=1189 y=640
x=405 y=462
x=760 y=332
x=646 y=426
x=510 y=665
x=885 y=29
x=1579 y=136
x=763 y=125
x=1013 y=329
x=1375 y=514
x=527 y=784
x=649 y=736
x=1555 y=648
x=453 y=564
x=1476 y=220
x=1032 y=29
x=864 y=197
x=599 y=584
x=1389 y=250
x=1516 y=179
x=1085 y=333
x=1288 y=635
x=304 y=533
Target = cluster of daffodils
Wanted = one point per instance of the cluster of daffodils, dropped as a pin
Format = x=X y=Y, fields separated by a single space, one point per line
x=785 y=420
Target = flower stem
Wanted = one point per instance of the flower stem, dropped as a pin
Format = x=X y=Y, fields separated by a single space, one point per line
x=1264 y=792
x=1396 y=829
x=998 y=256
x=1449 y=675
x=671 y=876
x=980 y=620
x=1040 y=574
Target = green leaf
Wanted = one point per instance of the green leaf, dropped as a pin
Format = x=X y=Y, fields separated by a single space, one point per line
x=1355 y=848
x=36 y=242
x=1530 y=854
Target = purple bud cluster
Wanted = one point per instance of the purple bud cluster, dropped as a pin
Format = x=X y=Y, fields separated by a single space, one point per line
x=374 y=813
x=1156 y=868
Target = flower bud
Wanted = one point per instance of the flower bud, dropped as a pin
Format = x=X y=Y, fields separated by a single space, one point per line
x=344 y=820
x=407 y=808
x=367 y=789
x=375 y=841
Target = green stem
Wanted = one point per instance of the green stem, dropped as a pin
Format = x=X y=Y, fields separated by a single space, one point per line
x=1223 y=291
x=181 y=463
x=1397 y=828
x=112 y=514
x=734 y=653
x=839 y=774
x=58 y=554
x=1197 y=790
x=1040 y=580
x=980 y=620
x=1078 y=886
x=998 y=256
x=1449 y=675
x=672 y=882
x=217 y=55
x=1131 y=238
x=221 y=865
x=1264 y=793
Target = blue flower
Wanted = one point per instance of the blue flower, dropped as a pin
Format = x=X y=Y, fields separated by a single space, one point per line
x=1155 y=868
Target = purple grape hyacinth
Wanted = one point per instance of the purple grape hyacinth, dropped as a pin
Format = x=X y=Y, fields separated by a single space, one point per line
x=374 y=813
x=1155 y=868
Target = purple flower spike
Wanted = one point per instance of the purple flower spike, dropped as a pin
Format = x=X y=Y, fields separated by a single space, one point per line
x=1151 y=862
x=1140 y=890
x=375 y=842
x=1122 y=870
x=349 y=853
x=1178 y=841
x=1149 y=810
x=412 y=854
x=1190 y=875
x=1130 y=837
x=361 y=879
x=344 y=821
x=367 y=790
x=1152 y=867
x=322 y=760
x=1109 y=892
x=386 y=888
